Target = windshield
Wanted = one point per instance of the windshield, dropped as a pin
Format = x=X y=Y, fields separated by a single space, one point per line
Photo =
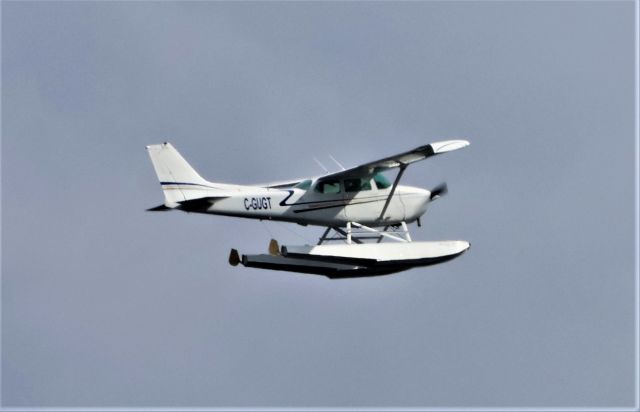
x=381 y=181
x=304 y=185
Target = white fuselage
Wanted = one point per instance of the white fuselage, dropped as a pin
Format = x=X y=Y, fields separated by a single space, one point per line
x=309 y=205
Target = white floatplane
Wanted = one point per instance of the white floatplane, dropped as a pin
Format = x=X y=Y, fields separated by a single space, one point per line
x=360 y=208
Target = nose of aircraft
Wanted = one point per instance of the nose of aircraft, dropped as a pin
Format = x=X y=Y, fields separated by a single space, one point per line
x=421 y=199
x=439 y=191
x=422 y=194
x=415 y=200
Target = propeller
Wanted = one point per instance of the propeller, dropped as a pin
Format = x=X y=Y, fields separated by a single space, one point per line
x=438 y=191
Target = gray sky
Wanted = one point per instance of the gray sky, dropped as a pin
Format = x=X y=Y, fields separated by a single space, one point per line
x=104 y=304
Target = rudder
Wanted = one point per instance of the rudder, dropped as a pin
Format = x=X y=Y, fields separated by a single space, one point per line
x=170 y=166
x=175 y=174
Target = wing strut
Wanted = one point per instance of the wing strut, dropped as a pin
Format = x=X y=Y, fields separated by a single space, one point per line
x=393 y=189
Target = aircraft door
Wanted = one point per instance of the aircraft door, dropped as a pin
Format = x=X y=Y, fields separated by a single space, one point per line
x=365 y=199
x=325 y=202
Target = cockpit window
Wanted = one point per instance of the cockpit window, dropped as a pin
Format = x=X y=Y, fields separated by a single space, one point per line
x=328 y=187
x=381 y=181
x=357 y=185
x=304 y=185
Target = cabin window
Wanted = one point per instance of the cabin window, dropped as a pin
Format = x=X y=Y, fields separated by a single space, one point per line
x=381 y=181
x=328 y=187
x=304 y=185
x=357 y=185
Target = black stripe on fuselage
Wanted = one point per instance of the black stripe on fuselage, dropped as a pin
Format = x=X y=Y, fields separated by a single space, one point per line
x=313 y=209
x=344 y=202
x=291 y=193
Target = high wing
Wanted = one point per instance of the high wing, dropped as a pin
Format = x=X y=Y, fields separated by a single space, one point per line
x=401 y=160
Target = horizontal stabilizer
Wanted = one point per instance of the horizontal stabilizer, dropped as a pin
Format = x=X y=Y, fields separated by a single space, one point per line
x=159 y=208
x=199 y=205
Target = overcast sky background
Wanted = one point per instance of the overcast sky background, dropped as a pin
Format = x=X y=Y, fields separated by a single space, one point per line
x=104 y=304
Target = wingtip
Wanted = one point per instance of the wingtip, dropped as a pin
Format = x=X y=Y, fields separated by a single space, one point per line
x=448 y=145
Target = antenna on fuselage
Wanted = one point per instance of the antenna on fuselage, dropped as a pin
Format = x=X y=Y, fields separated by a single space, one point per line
x=326 y=171
x=336 y=162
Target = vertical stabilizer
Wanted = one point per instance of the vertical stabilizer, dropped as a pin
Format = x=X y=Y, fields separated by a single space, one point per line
x=170 y=166
x=178 y=179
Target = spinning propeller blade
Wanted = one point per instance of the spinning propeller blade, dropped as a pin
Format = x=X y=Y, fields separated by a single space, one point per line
x=439 y=191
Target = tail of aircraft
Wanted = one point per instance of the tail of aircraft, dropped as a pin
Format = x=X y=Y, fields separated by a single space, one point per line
x=179 y=181
x=170 y=166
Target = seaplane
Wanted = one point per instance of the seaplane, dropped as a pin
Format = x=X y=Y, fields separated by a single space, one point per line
x=364 y=213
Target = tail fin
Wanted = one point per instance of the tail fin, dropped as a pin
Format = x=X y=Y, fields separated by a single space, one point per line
x=178 y=179
x=170 y=166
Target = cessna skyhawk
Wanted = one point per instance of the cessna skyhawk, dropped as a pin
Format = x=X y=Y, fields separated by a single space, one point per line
x=359 y=207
